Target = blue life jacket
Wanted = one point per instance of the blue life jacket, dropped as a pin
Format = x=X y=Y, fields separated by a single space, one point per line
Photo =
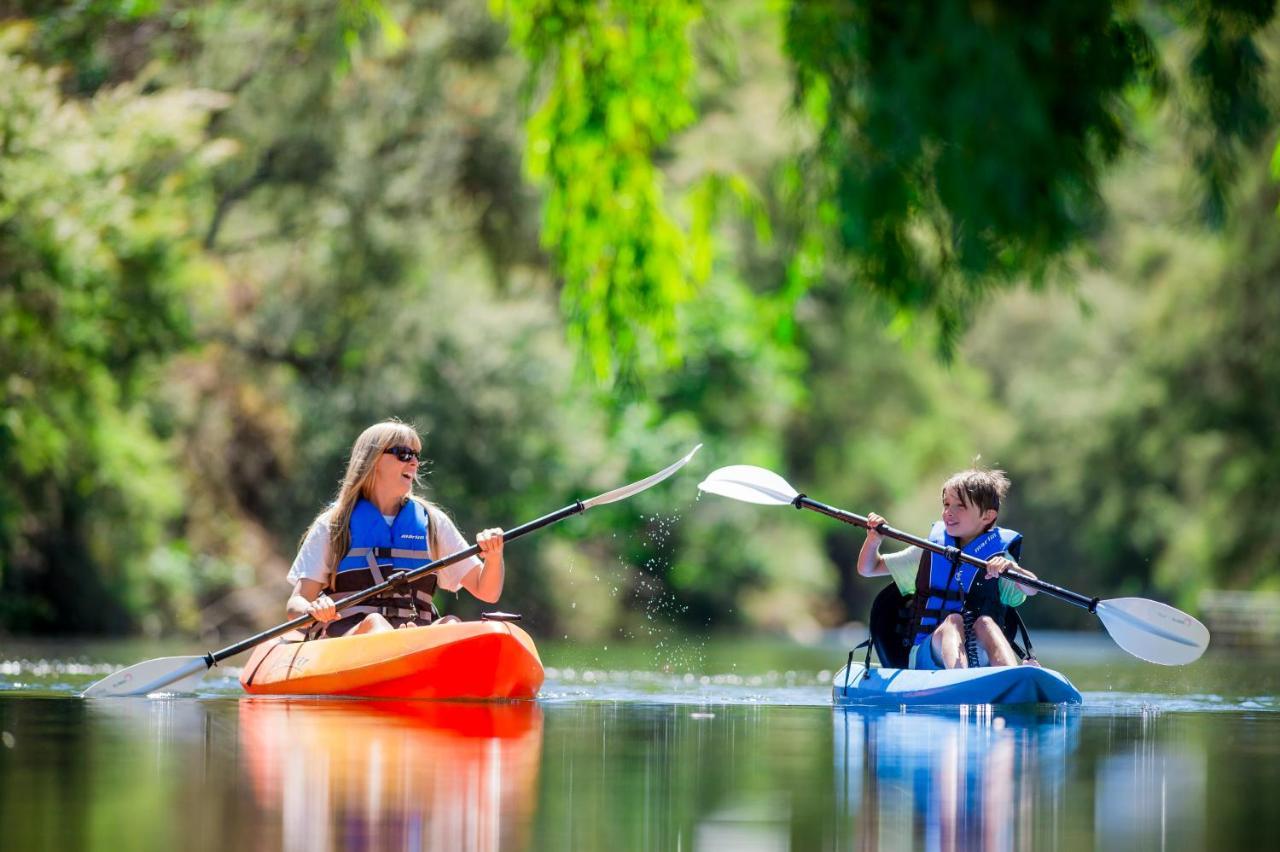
x=943 y=588
x=375 y=544
x=377 y=550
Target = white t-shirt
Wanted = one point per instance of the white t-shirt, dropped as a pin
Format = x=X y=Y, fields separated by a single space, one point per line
x=313 y=556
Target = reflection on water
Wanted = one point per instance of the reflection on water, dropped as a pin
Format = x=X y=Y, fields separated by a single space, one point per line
x=394 y=774
x=1150 y=794
x=958 y=779
x=983 y=778
x=629 y=758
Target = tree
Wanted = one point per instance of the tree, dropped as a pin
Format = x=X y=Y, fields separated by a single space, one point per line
x=98 y=201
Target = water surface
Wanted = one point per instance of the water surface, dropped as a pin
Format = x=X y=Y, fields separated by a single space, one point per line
x=693 y=745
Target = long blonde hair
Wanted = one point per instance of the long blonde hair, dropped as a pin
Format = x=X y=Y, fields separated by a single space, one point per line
x=358 y=483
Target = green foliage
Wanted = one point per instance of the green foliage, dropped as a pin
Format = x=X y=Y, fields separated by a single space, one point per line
x=95 y=215
x=1144 y=458
x=619 y=88
x=953 y=152
x=206 y=296
x=1225 y=72
x=961 y=145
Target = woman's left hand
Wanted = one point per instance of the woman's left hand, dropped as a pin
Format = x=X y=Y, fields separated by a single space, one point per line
x=490 y=542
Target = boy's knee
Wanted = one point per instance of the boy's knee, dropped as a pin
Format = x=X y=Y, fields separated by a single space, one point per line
x=953 y=622
x=986 y=624
x=987 y=630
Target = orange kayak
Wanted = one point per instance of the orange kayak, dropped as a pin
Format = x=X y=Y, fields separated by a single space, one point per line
x=466 y=659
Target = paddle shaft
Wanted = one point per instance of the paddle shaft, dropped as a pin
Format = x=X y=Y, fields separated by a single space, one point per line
x=400 y=578
x=1082 y=601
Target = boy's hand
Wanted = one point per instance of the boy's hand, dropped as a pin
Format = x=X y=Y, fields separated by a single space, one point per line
x=873 y=535
x=997 y=565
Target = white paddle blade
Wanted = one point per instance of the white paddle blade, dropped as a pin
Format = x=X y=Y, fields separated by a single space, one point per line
x=1153 y=631
x=164 y=674
x=636 y=487
x=749 y=484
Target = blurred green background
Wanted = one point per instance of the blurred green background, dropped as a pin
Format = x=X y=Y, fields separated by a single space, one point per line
x=861 y=243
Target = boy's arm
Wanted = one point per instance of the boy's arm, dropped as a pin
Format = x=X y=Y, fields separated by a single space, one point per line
x=1026 y=590
x=869 y=562
x=1013 y=594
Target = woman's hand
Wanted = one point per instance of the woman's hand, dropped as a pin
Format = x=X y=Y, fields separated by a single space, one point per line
x=490 y=542
x=485 y=582
x=874 y=537
x=322 y=609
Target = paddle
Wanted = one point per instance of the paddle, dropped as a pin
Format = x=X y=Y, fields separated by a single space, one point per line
x=178 y=673
x=1149 y=630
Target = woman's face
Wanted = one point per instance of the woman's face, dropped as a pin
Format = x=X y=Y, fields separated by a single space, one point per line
x=394 y=475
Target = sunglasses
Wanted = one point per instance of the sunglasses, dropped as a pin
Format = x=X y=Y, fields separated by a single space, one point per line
x=403 y=453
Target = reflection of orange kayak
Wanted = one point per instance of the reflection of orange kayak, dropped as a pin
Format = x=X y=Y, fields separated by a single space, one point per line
x=386 y=774
x=467 y=659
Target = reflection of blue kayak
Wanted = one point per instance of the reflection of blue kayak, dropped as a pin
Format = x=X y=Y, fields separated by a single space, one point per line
x=988 y=685
x=944 y=778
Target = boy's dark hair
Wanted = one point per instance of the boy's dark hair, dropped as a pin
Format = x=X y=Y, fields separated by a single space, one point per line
x=983 y=488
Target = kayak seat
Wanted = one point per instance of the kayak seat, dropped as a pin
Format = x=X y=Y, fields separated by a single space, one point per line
x=890 y=622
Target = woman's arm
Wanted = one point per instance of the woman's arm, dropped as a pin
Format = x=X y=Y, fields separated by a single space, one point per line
x=308 y=572
x=486 y=581
x=307 y=600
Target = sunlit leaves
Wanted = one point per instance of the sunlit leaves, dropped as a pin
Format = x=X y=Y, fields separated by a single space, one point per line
x=617 y=89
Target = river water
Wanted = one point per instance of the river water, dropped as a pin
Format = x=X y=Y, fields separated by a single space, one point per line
x=682 y=744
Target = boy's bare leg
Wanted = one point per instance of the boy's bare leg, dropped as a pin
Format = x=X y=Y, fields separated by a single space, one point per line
x=948 y=643
x=991 y=637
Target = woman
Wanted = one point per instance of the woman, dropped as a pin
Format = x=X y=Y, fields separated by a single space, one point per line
x=376 y=526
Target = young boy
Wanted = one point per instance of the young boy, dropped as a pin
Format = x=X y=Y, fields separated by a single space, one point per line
x=945 y=590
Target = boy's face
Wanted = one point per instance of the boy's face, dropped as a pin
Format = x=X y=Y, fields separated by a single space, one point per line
x=964 y=520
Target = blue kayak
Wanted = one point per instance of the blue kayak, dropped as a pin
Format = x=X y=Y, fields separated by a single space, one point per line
x=855 y=686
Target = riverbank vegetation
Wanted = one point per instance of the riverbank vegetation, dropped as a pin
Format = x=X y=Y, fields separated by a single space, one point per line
x=856 y=243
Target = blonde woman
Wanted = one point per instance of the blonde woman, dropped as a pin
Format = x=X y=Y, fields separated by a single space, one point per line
x=376 y=526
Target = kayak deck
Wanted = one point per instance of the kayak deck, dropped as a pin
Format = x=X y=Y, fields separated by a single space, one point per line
x=855 y=686
x=466 y=659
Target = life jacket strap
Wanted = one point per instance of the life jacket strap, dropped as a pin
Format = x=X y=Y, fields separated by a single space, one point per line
x=389 y=611
x=396 y=615
x=970 y=638
x=390 y=553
